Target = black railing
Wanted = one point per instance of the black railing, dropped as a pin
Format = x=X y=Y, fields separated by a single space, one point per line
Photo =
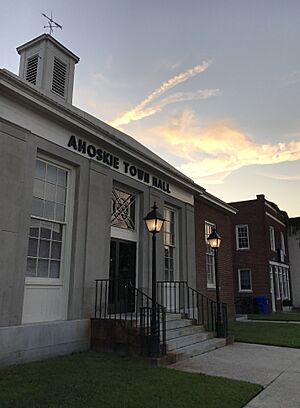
x=120 y=301
x=178 y=297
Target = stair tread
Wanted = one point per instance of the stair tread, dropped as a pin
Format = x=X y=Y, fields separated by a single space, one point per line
x=207 y=345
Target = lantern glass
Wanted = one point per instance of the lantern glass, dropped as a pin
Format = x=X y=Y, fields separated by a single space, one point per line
x=214 y=239
x=154 y=220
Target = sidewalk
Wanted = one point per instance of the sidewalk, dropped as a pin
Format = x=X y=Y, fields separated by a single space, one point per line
x=277 y=369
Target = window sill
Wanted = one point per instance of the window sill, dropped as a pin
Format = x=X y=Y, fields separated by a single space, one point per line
x=246 y=291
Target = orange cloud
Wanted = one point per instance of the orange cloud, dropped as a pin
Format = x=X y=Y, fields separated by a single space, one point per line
x=140 y=111
x=210 y=153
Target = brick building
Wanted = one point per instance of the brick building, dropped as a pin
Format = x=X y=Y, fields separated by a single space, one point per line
x=210 y=212
x=260 y=254
x=294 y=255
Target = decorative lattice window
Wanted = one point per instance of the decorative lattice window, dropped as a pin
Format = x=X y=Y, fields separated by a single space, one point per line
x=123 y=210
x=32 y=69
x=59 y=77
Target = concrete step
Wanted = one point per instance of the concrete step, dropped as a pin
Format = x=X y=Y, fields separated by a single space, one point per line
x=178 y=323
x=187 y=340
x=197 y=349
x=184 y=331
x=174 y=316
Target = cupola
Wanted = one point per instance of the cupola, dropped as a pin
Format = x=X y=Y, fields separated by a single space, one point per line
x=49 y=65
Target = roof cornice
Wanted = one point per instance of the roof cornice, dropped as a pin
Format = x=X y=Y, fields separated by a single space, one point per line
x=70 y=114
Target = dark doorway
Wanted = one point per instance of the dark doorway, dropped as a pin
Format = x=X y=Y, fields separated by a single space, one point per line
x=122 y=273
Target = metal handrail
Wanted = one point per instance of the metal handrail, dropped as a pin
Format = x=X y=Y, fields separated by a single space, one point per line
x=178 y=297
x=121 y=301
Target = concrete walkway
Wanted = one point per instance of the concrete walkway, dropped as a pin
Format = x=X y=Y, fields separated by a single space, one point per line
x=277 y=369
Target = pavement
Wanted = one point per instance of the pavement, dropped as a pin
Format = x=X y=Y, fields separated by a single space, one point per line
x=277 y=369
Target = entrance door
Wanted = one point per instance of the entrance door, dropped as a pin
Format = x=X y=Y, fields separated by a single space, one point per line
x=122 y=273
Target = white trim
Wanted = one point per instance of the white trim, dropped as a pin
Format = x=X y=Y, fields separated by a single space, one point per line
x=272 y=238
x=237 y=237
x=209 y=285
x=102 y=131
x=239 y=279
x=275 y=219
x=283 y=265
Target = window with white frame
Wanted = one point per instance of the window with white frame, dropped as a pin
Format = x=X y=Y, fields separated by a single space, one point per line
x=210 y=257
x=282 y=243
x=123 y=210
x=277 y=283
x=48 y=220
x=242 y=236
x=245 y=282
x=170 y=243
x=272 y=238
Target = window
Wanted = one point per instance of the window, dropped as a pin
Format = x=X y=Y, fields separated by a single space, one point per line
x=123 y=210
x=48 y=220
x=282 y=243
x=272 y=238
x=245 y=283
x=210 y=257
x=277 y=283
x=170 y=243
x=242 y=237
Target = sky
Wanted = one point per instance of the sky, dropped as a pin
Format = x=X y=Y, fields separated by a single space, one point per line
x=212 y=86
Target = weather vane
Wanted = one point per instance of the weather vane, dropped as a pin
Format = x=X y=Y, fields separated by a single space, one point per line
x=51 y=23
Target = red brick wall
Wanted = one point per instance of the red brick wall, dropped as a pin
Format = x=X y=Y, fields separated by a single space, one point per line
x=205 y=211
x=253 y=213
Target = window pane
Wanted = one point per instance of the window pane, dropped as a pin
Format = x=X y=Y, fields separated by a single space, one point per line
x=50 y=192
x=57 y=232
x=37 y=207
x=44 y=249
x=51 y=175
x=32 y=247
x=55 y=250
x=61 y=177
x=60 y=195
x=49 y=210
x=245 y=280
x=34 y=228
x=60 y=212
x=46 y=230
x=54 y=269
x=42 y=270
x=40 y=170
x=31 y=267
x=38 y=188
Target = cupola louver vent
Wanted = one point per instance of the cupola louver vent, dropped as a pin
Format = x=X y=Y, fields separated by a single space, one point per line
x=32 y=68
x=59 y=77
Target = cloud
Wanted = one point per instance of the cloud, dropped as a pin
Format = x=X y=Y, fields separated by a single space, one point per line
x=176 y=97
x=291 y=78
x=137 y=112
x=282 y=177
x=210 y=153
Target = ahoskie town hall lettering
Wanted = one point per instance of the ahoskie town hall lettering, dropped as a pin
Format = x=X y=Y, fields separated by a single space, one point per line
x=81 y=146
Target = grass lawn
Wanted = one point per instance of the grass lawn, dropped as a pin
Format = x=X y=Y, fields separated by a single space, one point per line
x=286 y=335
x=103 y=380
x=286 y=316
